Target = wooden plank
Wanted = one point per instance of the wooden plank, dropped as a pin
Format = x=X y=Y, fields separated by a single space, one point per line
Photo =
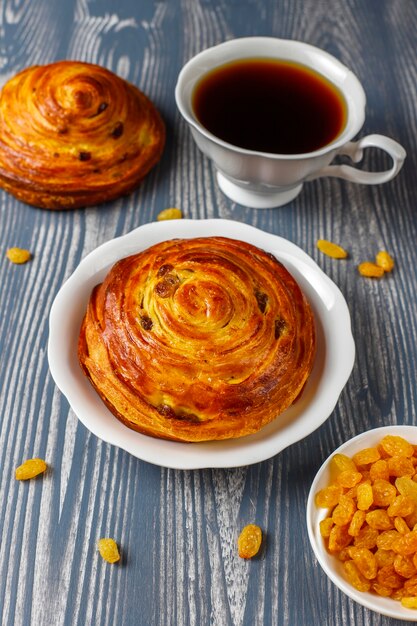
x=178 y=530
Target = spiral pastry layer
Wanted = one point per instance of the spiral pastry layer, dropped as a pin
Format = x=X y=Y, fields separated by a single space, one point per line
x=74 y=134
x=198 y=339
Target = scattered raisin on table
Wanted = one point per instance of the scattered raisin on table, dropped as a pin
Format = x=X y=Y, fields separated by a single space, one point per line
x=331 y=249
x=171 y=213
x=30 y=469
x=108 y=549
x=18 y=255
x=249 y=541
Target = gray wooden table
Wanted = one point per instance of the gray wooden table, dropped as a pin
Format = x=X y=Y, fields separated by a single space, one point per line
x=178 y=529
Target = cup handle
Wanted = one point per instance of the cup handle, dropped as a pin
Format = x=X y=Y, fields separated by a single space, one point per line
x=354 y=150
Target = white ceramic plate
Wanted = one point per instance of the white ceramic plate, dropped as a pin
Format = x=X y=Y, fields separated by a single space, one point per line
x=332 y=367
x=331 y=564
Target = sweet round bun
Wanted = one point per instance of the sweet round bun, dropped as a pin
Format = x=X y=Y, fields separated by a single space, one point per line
x=198 y=339
x=74 y=134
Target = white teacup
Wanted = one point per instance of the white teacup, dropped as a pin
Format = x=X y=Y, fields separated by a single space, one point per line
x=265 y=180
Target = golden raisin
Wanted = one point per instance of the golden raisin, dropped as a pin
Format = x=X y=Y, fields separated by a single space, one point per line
x=365 y=561
x=249 y=541
x=409 y=602
x=407 y=487
x=400 y=466
x=401 y=525
x=370 y=270
x=169 y=214
x=379 y=469
x=411 y=520
x=398 y=594
x=352 y=492
x=325 y=527
x=339 y=538
x=401 y=506
x=383 y=492
x=366 y=538
x=366 y=456
x=344 y=511
x=342 y=463
x=108 y=550
x=329 y=496
x=396 y=446
x=410 y=586
x=355 y=577
x=386 y=539
x=331 y=249
x=348 y=478
x=344 y=555
x=385 y=260
x=365 y=496
x=404 y=566
x=379 y=519
x=406 y=544
x=30 y=469
x=382 y=591
x=18 y=255
x=388 y=577
x=356 y=523
x=384 y=557
x=382 y=452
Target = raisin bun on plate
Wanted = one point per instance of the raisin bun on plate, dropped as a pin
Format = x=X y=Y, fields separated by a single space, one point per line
x=198 y=339
x=74 y=134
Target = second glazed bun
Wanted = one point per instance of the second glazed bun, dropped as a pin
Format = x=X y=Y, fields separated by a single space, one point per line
x=74 y=134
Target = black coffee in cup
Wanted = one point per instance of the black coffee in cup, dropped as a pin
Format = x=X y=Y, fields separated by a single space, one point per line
x=270 y=105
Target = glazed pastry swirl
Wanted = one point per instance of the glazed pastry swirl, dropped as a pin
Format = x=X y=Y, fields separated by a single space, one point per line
x=198 y=339
x=74 y=134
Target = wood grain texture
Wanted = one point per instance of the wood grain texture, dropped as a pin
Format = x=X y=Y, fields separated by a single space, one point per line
x=177 y=530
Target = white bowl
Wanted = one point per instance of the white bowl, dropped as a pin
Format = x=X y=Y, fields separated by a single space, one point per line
x=331 y=564
x=332 y=367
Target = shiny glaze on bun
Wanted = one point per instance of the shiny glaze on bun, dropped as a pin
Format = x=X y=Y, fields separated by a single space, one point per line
x=74 y=134
x=198 y=339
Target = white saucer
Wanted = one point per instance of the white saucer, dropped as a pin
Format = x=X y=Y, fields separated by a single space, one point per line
x=267 y=199
x=332 y=368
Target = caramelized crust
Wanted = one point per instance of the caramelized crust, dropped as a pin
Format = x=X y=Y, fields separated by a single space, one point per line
x=74 y=134
x=198 y=339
